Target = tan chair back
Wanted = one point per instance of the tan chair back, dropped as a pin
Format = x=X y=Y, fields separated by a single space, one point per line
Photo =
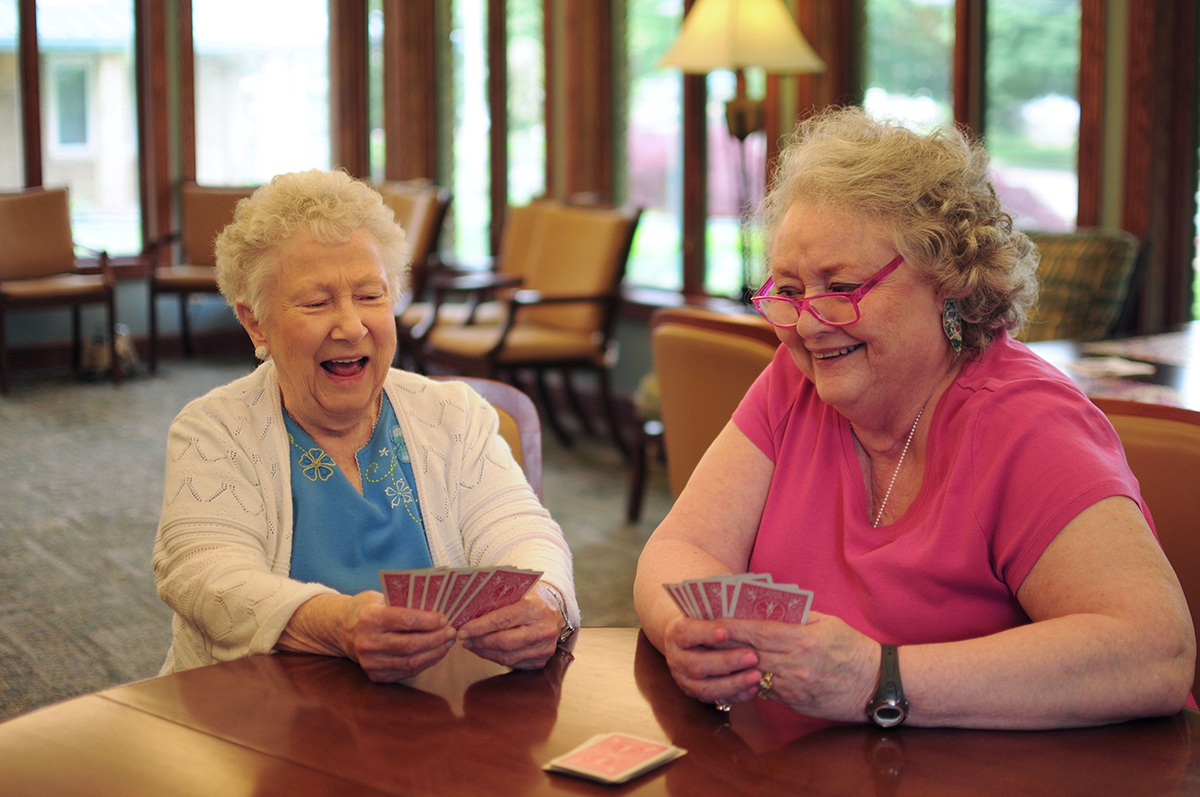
x=522 y=224
x=1162 y=445
x=705 y=362
x=35 y=234
x=204 y=212
x=1085 y=276
x=420 y=208
x=519 y=424
x=577 y=251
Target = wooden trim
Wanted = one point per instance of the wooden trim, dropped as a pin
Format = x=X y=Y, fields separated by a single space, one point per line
x=550 y=74
x=410 y=108
x=1090 y=156
x=970 y=54
x=187 y=92
x=1183 y=139
x=497 y=93
x=348 y=113
x=1160 y=154
x=154 y=126
x=828 y=25
x=31 y=108
x=695 y=183
x=588 y=75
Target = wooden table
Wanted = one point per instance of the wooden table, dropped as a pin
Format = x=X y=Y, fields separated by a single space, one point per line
x=306 y=725
x=1172 y=359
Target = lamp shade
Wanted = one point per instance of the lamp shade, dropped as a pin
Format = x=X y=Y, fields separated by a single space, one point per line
x=734 y=34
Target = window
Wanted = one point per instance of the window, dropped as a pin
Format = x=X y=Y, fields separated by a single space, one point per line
x=12 y=170
x=653 y=144
x=262 y=89
x=526 y=102
x=70 y=105
x=472 y=123
x=377 y=152
x=1031 y=120
x=89 y=129
x=908 y=54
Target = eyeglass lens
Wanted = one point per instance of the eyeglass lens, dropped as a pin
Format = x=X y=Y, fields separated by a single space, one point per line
x=829 y=309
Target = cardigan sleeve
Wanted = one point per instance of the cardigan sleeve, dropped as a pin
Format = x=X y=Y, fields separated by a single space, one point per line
x=217 y=560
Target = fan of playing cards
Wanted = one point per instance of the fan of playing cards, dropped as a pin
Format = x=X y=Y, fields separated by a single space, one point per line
x=745 y=596
x=460 y=593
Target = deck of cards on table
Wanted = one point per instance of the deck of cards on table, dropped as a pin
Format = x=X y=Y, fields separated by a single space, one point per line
x=460 y=593
x=744 y=596
x=614 y=758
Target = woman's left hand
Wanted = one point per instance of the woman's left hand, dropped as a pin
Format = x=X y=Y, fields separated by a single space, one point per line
x=523 y=635
x=823 y=669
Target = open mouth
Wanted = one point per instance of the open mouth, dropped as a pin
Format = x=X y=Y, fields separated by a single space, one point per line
x=840 y=352
x=345 y=367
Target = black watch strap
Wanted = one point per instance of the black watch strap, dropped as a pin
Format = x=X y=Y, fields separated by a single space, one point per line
x=888 y=707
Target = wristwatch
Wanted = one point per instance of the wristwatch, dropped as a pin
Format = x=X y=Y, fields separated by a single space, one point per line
x=888 y=708
x=567 y=629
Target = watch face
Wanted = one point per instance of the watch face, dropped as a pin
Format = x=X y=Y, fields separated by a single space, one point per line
x=886 y=713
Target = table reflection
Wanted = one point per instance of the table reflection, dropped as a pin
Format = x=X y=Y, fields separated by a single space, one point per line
x=764 y=748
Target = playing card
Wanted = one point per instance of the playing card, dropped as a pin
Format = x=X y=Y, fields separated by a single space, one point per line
x=614 y=758
x=696 y=592
x=504 y=587
x=396 y=585
x=741 y=596
x=455 y=582
x=783 y=602
x=433 y=590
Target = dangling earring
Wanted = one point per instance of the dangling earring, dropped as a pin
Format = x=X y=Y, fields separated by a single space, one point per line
x=952 y=324
x=261 y=352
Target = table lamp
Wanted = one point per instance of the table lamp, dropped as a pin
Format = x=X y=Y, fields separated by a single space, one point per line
x=735 y=34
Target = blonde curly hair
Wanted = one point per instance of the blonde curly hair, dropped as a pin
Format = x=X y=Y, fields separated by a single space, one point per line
x=329 y=205
x=931 y=192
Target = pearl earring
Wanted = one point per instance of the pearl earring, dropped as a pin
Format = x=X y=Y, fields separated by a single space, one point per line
x=261 y=352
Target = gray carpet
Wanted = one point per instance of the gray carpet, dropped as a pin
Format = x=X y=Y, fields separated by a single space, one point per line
x=81 y=477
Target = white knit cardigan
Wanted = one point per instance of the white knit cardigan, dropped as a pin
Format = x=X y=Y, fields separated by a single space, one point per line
x=223 y=551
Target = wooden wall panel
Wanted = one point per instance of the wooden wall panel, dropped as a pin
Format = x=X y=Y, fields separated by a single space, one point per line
x=348 y=112
x=410 y=103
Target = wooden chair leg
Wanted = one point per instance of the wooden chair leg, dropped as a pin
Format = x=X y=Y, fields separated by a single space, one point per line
x=5 y=387
x=183 y=325
x=76 y=339
x=647 y=440
x=153 y=317
x=111 y=307
x=610 y=412
x=551 y=413
x=576 y=404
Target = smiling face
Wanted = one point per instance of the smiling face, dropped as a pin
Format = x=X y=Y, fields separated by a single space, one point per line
x=329 y=328
x=895 y=356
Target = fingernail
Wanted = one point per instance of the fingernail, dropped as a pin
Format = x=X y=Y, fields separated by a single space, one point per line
x=750 y=660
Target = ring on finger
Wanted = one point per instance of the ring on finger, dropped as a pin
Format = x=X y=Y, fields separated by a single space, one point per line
x=766 y=683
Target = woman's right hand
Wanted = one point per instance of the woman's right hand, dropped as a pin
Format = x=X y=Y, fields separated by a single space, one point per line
x=390 y=643
x=706 y=665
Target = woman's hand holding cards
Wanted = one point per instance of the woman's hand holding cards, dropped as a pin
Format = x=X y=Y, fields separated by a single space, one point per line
x=523 y=635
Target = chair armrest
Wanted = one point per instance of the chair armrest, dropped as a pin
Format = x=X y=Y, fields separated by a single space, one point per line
x=472 y=281
x=529 y=298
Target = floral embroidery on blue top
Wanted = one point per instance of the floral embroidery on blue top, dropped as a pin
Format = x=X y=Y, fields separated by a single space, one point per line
x=315 y=463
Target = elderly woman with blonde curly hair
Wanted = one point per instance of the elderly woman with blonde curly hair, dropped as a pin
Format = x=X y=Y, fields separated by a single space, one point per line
x=977 y=547
x=289 y=489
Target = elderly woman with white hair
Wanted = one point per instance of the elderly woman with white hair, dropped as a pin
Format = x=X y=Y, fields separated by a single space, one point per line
x=289 y=489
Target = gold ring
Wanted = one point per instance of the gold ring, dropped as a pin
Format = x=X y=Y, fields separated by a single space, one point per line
x=766 y=684
x=723 y=704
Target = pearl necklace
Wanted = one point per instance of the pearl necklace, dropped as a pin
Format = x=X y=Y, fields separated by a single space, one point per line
x=896 y=472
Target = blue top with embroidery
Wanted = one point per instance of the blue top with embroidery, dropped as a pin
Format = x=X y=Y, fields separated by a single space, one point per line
x=343 y=539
